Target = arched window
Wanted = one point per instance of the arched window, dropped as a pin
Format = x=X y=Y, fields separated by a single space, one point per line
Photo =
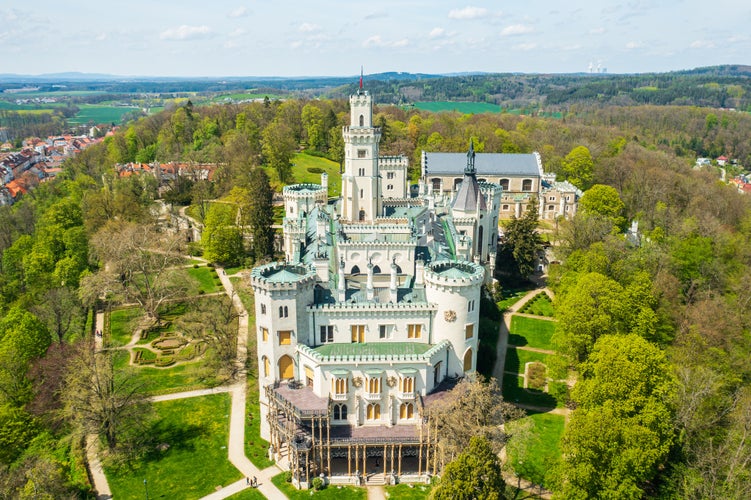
x=286 y=368
x=286 y=311
x=436 y=181
x=355 y=270
x=527 y=185
x=406 y=410
x=266 y=366
x=339 y=386
x=373 y=411
x=362 y=215
x=340 y=412
x=374 y=385
x=376 y=270
x=479 y=241
x=468 y=360
x=362 y=121
x=407 y=384
x=457 y=181
x=263 y=308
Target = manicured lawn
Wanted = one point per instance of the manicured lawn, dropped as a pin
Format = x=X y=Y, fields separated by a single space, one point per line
x=330 y=492
x=517 y=358
x=531 y=332
x=197 y=433
x=408 y=491
x=247 y=494
x=540 y=305
x=534 y=458
x=181 y=377
x=514 y=392
x=234 y=270
x=206 y=278
x=486 y=356
x=511 y=297
x=122 y=325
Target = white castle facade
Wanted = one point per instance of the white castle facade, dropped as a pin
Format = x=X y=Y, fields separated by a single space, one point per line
x=376 y=304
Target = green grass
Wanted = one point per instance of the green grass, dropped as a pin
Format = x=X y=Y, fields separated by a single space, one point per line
x=181 y=377
x=533 y=460
x=517 y=358
x=244 y=96
x=247 y=494
x=540 y=305
x=301 y=162
x=461 y=107
x=408 y=491
x=121 y=325
x=197 y=432
x=100 y=114
x=486 y=355
x=514 y=392
x=234 y=270
x=511 y=297
x=531 y=332
x=330 y=492
x=205 y=278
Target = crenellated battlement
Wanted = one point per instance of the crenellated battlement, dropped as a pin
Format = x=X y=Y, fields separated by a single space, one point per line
x=280 y=276
x=460 y=273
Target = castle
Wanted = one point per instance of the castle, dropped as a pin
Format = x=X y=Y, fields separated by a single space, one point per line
x=376 y=304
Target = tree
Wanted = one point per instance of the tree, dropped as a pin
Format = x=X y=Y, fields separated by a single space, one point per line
x=578 y=167
x=474 y=474
x=100 y=399
x=472 y=408
x=621 y=433
x=521 y=244
x=604 y=201
x=260 y=214
x=59 y=309
x=23 y=338
x=278 y=145
x=140 y=265
x=221 y=239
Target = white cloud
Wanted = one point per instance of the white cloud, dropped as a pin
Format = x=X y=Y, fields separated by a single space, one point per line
x=702 y=44
x=468 y=13
x=236 y=32
x=230 y=44
x=597 y=31
x=377 y=41
x=101 y=37
x=525 y=46
x=634 y=45
x=239 y=12
x=437 y=32
x=516 y=29
x=308 y=27
x=185 y=32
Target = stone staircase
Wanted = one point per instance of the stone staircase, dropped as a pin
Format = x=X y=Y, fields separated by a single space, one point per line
x=375 y=480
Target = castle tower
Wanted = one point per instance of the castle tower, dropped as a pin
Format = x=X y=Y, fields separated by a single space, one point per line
x=282 y=292
x=361 y=186
x=455 y=287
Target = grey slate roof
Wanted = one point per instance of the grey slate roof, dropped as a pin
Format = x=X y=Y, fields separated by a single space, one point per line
x=485 y=164
x=469 y=195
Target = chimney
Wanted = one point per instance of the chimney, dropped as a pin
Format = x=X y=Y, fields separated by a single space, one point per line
x=341 y=290
x=392 y=285
x=370 y=290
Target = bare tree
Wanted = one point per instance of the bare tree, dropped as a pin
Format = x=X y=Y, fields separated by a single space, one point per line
x=101 y=400
x=139 y=264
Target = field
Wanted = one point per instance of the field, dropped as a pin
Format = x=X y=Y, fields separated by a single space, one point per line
x=540 y=305
x=190 y=428
x=531 y=332
x=100 y=114
x=302 y=164
x=244 y=97
x=534 y=457
x=462 y=107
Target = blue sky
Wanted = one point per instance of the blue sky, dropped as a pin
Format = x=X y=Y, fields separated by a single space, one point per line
x=326 y=37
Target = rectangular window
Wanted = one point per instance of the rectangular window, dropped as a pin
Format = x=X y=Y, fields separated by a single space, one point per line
x=390 y=175
x=327 y=333
x=263 y=308
x=309 y=376
x=358 y=333
x=384 y=331
x=469 y=331
x=361 y=153
x=285 y=337
x=414 y=331
x=552 y=198
x=265 y=334
x=504 y=207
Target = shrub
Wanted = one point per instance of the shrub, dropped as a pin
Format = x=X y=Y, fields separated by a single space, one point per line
x=536 y=377
x=195 y=266
x=318 y=483
x=201 y=292
x=194 y=248
x=165 y=361
x=559 y=390
x=288 y=476
x=316 y=170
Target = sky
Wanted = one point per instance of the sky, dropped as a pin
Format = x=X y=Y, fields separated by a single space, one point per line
x=337 y=37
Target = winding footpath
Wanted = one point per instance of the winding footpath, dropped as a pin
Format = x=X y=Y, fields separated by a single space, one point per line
x=237 y=392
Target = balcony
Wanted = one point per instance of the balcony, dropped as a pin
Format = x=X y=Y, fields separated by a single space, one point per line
x=372 y=396
x=339 y=396
x=406 y=395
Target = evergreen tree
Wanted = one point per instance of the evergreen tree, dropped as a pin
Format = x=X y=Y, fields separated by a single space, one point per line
x=260 y=214
x=475 y=474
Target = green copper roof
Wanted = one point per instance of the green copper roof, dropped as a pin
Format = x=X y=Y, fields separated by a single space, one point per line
x=372 y=349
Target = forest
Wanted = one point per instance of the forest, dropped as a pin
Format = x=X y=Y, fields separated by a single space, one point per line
x=655 y=328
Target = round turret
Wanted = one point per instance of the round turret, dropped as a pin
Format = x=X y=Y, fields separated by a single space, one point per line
x=455 y=287
x=300 y=199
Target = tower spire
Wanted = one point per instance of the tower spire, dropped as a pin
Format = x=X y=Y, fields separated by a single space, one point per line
x=470 y=159
x=360 y=78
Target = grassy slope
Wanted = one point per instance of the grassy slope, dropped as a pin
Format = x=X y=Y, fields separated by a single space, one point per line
x=194 y=427
x=531 y=332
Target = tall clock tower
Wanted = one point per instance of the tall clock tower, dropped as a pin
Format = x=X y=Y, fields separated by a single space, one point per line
x=361 y=183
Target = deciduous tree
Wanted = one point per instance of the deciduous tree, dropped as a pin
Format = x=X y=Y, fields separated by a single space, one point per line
x=474 y=474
